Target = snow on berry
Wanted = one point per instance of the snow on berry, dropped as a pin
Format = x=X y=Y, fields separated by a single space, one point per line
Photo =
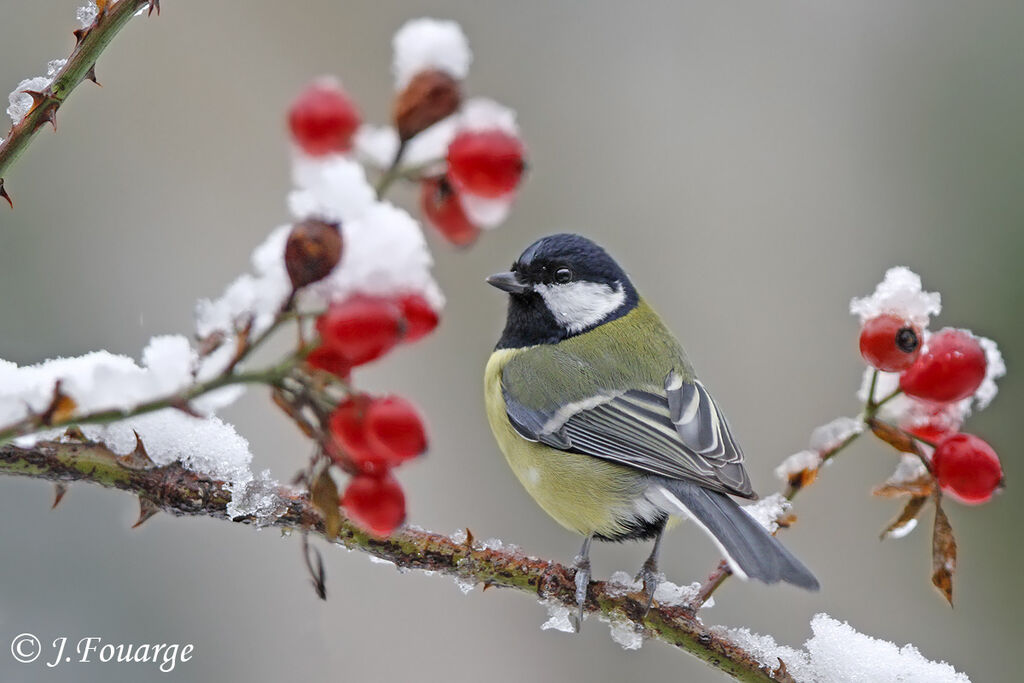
x=20 y=101
x=951 y=367
x=323 y=118
x=333 y=189
x=376 y=503
x=442 y=208
x=889 y=343
x=899 y=294
x=486 y=212
x=995 y=368
x=422 y=44
x=385 y=255
x=967 y=467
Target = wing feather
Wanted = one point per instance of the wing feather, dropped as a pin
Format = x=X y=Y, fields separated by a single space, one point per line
x=679 y=433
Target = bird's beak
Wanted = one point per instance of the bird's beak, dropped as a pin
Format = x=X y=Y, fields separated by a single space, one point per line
x=508 y=282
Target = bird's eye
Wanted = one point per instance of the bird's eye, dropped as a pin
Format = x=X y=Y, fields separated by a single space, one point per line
x=563 y=275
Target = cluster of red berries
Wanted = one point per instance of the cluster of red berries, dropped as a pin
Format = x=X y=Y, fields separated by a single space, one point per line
x=482 y=163
x=487 y=163
x=367 y=436
x=949 y=367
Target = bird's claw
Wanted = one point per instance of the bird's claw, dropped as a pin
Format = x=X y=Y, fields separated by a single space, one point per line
x=582 y=565
x=651 y=577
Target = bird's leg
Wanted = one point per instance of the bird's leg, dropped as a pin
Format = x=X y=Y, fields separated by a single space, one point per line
x=582 y=565
x=649 y=571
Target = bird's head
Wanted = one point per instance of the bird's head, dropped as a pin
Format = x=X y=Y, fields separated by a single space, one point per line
x=561 y=286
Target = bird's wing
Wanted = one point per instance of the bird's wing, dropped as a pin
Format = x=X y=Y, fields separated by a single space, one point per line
x=679 y=433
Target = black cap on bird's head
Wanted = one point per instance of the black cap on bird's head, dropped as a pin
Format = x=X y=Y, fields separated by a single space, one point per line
x=561 y=286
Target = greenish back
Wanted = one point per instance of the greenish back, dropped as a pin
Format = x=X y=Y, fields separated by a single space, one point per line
x=635 y=351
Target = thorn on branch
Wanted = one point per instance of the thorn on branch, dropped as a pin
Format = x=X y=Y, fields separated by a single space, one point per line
x=4 y=195
x=91 y=75
x=147 y=509
x=59 y=489
x=80 y=35
x=138 y=459
x=153 y=4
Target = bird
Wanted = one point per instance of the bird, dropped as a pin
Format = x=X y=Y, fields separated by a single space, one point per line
x=600 y=415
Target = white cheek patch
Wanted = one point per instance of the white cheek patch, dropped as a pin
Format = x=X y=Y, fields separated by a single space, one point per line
x=578 y=305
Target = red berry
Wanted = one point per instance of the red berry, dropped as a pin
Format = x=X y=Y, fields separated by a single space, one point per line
x=950 y=369
x=361 y=328
x=488 y=163
x=330 y=361
x=967 y=467
x=932 y=422
x=348 y=431
x=323 y=119
x=394 y=429
x=889 y=343
x=442 y=209
x=420 y=317
x=376 y=503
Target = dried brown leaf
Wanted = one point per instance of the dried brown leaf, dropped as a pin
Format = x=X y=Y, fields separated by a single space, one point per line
x=61 y=407
x=921 y=486
x=896 y=438
x=324 y=496
x=943 y=553
x=910 y=512
x=805 y=477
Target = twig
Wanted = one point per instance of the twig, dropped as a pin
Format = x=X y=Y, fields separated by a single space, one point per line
x=80 y=65
x=180 y=492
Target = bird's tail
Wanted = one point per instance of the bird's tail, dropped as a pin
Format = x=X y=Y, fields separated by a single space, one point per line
x=751 y=551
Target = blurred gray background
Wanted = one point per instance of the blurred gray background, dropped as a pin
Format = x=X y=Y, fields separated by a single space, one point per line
x=753 y=164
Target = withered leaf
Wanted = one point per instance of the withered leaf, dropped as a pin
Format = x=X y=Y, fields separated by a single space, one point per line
x=61 y=407
x=943 y=553
x=898 y=526
x=324 y=496
x=896 y=438
x=920 y=486
x=805 y=477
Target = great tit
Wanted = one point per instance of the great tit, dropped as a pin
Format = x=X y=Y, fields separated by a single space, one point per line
x=602 y=419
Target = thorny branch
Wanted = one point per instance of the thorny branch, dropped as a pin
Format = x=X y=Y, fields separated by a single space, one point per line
x=81 y=65
x=180 y=492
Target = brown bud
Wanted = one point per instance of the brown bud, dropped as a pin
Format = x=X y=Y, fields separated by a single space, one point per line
x=312 y=251
x=430 y=96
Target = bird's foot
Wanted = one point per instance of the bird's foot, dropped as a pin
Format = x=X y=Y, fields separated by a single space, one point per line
x=582 y=565
x=651 y=577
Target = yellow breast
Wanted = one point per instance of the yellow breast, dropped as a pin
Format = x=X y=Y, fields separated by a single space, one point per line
x=582 y=493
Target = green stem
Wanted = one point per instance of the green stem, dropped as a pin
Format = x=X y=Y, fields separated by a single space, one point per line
x=80 y=63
